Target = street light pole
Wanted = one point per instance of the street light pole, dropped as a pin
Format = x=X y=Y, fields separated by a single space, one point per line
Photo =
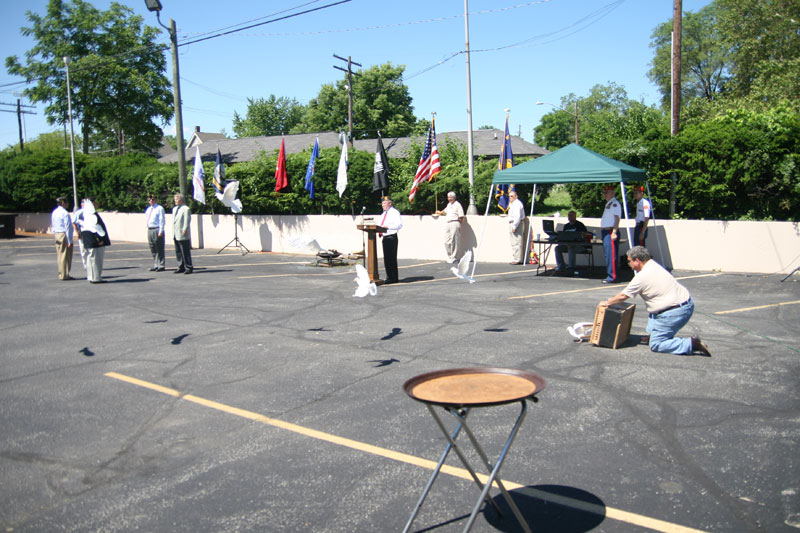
x=71 y=140
x=155 y=5
x=575 y=114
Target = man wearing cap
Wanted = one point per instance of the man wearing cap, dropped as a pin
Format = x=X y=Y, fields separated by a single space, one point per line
x=669 y=304
x=154 y=218
x=516 y=228
x=61 y=224
x=454 y=216
x=610 y=226
x=392 y=221
x=643 y=210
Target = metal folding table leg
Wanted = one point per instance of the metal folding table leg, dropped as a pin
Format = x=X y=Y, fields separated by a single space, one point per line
x=451 y=444
x=496 y=471
x=461 y=416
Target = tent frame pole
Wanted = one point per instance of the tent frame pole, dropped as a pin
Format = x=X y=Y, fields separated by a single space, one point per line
x=527 y=255
x=627 y=218
x=483 y=231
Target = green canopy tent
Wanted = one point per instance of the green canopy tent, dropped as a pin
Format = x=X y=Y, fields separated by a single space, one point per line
x=571 y=164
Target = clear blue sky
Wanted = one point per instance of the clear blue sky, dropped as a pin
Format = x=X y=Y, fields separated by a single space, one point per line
x=567 y=46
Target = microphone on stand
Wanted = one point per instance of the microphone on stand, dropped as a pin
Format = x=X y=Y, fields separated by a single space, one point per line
x=363 y=244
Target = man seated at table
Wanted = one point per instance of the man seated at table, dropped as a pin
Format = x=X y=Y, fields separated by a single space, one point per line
x=573 y=225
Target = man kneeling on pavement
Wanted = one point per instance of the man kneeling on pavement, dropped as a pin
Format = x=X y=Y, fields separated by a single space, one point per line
x=669 y=304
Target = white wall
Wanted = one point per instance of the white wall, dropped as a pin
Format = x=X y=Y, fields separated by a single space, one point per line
x=758 y=247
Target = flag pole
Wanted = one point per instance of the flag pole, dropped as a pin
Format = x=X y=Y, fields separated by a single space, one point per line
x=471 y=209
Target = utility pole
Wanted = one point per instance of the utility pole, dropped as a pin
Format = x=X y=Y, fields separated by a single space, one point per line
x=155 y=5
x=176 y=85
x=576 y=122
x=677 y=14
x=19 y=113
x=350 y=73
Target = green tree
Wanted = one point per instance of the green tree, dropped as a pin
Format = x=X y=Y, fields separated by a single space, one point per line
x=765 y=47
x=705 y=56
x=271 y=116
x=116 y=73
x=381 y=102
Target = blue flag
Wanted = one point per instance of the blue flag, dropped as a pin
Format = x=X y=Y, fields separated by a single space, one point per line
x=506 y=161
x=219 y=176
x=310 y=170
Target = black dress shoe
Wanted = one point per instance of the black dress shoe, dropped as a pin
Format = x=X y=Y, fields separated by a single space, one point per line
x=162 y=269
x=699 y=346
x=179 y=271
x=188 y=271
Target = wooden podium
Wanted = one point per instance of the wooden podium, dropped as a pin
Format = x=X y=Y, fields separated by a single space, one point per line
x=372 y=231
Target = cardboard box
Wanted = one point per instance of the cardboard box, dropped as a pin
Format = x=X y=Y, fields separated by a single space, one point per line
x=612 y=325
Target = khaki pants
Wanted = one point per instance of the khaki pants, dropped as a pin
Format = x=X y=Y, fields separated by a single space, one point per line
x=451 y=233
x=517 y=239
x=64 y=252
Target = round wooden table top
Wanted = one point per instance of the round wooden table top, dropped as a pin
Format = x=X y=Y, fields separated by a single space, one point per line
x=473 y=387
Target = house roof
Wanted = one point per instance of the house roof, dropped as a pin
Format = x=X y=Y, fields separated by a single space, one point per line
x=200 y=137
x=486 y=144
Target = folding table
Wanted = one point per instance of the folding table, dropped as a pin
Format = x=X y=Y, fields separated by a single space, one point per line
x=460 y=390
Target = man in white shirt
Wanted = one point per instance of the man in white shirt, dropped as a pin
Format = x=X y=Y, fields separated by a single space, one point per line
x=669 y=304
x=61 y=224
x=154 y=218
x=453 y=217
x=609 y=232
x=643 y=215
x=392 y=221
x=516 y=228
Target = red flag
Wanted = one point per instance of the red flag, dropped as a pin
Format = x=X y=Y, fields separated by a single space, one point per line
x=281 y=180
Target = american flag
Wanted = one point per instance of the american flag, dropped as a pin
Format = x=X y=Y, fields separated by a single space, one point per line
x=429 y=164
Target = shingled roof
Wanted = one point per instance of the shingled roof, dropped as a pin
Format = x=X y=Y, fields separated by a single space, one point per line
x=486 y=144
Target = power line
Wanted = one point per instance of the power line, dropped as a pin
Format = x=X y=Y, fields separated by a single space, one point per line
x=252 y=20
x=266 y=22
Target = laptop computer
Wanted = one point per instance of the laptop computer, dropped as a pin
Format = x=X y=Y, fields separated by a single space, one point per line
x=549 y=227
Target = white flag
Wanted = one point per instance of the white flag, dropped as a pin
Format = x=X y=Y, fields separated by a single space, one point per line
x=197 y=177
x=341 y=177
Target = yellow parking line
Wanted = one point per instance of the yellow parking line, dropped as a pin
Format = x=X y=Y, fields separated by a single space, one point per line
x=742 y=309
x=609 y=512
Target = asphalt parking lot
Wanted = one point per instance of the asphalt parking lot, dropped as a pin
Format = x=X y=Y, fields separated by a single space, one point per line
x=258 y=395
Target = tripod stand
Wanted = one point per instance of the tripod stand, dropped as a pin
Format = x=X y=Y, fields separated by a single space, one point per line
x=235 y=242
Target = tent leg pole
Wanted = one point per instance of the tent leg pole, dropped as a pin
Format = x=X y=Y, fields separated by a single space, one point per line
x=627 y=220
x=530 y=227
x=483 y=230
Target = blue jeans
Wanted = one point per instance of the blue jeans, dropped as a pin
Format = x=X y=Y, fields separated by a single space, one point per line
x=560 y=249
x=663 y=327
x=610 y=247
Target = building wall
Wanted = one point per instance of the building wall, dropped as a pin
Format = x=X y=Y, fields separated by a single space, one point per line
x=705 y=245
